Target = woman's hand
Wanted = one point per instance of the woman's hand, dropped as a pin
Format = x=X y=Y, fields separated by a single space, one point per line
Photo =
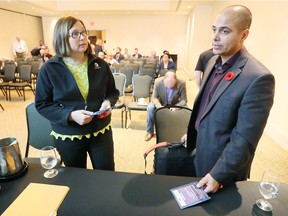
x=81 y=117
x=105 y=105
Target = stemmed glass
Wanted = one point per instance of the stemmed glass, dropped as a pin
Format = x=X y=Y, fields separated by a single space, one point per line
x=269 y=188
x=48 y=160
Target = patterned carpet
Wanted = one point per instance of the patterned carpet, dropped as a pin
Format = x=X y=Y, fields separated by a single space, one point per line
x=129 y=143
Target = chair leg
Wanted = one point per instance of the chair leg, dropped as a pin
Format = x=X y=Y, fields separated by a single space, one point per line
x=2 y=107
x=122 y=111
x=126 y=118
x=24 y=93
x=9 y=91
x=5 y=92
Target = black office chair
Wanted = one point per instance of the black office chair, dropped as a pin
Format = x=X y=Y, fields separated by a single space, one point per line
x=39 y=129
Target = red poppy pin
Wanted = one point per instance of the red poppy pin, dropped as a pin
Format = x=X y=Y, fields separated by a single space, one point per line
x=229 y=76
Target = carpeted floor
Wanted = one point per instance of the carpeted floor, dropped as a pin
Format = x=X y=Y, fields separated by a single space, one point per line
x=129 y=143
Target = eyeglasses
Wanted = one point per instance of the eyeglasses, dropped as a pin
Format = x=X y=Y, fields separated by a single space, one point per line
x=75 y=34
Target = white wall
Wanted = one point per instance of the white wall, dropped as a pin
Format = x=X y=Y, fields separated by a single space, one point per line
x=199 y=34
x=145 y=32
x=29 y=28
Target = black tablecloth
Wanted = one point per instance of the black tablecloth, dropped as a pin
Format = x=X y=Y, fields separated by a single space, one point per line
x=96 y=192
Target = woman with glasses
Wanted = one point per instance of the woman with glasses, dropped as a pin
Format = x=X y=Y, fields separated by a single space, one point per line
x=71 y=87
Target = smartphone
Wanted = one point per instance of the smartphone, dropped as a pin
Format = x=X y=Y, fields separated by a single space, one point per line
x=100 y=112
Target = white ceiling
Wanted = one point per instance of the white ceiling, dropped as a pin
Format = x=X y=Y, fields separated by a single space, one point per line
x=94 y=7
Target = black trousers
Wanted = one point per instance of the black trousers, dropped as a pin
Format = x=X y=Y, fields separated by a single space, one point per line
x=100 y=149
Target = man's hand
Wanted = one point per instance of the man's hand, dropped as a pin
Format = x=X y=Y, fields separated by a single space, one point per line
x=174 y=109
x=81 y=117
x=209 y=184
x=184 y=140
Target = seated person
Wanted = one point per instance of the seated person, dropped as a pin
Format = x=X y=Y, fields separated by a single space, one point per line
x=118 y=56
x=46 y=57
x=40 y=50
x=168 y=91
x=126 y=54
x=153 y=57
x=101 y=55
x=109 y=58
x=136 y=54
x=98 y=46
x=166 y=64
x=166 y=52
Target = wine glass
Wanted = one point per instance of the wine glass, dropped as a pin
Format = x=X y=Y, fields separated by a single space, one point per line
x=269 y=188
x=48 y=160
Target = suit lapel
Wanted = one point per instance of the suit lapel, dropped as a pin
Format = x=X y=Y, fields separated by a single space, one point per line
x=224 y=84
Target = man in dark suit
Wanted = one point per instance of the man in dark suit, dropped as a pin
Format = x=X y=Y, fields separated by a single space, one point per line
x=168 y=91
x=232 y=106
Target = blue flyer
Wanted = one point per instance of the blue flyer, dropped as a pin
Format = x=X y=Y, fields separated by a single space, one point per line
x=189 y=195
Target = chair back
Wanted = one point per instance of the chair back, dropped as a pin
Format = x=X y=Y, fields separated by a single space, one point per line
x=25 y=73
x=9 y=72
x=150 y=65
x=140 y=63
x=113 y=70
x=117 y=67
x=120 y=82
x=39 y=129
x=162 y=72
x=148 y=71
x=135 y=67
x=35 y=66
x=171 y=125
x=20 y=63
x=128 y=72
x=125 y=62
x=141 y=86
x=6 y=62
